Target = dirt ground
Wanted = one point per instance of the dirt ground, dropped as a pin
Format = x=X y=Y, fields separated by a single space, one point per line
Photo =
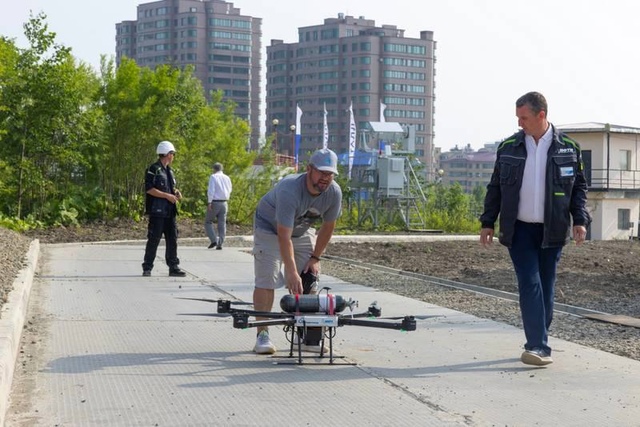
x=593 y=275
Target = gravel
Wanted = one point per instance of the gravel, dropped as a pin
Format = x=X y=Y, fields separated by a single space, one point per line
x=13 y=251
x=621 y=340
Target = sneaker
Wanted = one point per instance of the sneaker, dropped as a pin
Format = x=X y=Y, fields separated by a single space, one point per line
x=536 y=357
x=177 y=272
x=264 y=344
x=219 y=247
x=211 y=246
x=146 y=273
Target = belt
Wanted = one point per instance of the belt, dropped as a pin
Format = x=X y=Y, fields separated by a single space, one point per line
x=218 y=201
x=531 y=223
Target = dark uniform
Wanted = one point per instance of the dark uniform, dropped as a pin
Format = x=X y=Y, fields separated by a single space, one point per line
x=162 y=217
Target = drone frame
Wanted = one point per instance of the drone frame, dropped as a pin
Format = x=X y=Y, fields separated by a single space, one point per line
x=298 y=322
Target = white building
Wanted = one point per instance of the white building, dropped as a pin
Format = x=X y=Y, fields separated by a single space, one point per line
x=610 y=154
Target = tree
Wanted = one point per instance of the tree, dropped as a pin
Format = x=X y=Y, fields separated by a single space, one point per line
x=143 y=107
x=48 y=119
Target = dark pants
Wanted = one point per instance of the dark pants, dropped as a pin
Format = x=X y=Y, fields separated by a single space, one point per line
x=157 y=227
x=535 y=269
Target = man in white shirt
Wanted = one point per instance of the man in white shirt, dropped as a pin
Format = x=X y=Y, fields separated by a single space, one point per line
x=218 y=195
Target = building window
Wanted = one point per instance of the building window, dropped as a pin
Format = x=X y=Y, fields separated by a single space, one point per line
x=624 y=215
x=625 y=160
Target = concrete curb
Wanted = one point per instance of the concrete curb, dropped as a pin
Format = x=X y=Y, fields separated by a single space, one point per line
x=14 y=313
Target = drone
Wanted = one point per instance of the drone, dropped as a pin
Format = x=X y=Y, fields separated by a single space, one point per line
x=311 y=318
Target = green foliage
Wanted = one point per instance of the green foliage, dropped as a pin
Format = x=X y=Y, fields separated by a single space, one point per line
x=448 y=209
x=19 y=225
x=46 y=122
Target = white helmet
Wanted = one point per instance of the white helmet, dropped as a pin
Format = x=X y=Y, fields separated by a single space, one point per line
x=165 y=147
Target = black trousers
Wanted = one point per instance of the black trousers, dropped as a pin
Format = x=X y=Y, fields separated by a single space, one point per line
x=157 y=227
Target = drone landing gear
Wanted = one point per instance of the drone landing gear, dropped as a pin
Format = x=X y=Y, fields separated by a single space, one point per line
x=302 y=336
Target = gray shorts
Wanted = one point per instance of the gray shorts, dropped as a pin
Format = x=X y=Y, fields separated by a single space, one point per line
x=267 y=262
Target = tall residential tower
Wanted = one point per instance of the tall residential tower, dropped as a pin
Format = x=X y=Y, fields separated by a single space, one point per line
x=346 y=60
x=223 y=46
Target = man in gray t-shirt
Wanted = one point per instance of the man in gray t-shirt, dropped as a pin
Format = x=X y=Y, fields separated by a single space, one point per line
x=285 y=235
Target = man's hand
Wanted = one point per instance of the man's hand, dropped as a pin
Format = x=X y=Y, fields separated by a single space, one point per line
x=172 y=198
x=486 y=237
x=579 y=234
x=294 y=283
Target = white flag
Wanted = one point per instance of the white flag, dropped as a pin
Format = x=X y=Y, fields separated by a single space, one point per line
x=325 y=131
x=382 y=108
x=298 y=134
x=352 y=137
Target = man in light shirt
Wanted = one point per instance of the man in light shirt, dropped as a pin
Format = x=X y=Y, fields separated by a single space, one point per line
x=218 y=195
x=539 y=191
x=286 y=247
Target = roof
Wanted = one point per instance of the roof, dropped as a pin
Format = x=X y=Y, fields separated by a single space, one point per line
x=597 y=127
x=484 y=156
x=386 y=127
x=360 y=158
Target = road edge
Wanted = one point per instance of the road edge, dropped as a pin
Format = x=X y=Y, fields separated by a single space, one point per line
x=14 y=313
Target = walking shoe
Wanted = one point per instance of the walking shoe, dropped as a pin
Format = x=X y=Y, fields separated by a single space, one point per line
x=212 y=245
x=264 y=344
x=146 y=273
x=177 y=272
x=219 y=247
x=536 y=357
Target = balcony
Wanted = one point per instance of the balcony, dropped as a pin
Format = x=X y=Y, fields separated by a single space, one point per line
x=613 y=179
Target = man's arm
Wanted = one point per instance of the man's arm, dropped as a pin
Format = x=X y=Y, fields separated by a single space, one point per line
x=210 y=189
x=324 y=236
x=578 y=202
x=322 y=241
x=492 y=202
x=162 y=195
x=291 y=276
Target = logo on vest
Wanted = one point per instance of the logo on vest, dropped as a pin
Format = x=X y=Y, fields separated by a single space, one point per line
x=565 y=150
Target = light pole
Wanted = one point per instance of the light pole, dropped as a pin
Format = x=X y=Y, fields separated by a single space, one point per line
x=290 y=158
x=275 y=123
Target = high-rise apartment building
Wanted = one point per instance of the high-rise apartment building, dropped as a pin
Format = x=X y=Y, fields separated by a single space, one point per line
x=346 y=60
x=223 y=46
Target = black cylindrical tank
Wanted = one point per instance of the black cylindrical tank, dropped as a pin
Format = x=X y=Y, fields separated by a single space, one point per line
x=323 y=303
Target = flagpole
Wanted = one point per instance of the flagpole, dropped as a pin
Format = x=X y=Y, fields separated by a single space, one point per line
x=298 y=134
x=325 y=132
x=352 y=138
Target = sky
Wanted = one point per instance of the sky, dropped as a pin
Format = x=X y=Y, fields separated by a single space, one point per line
x=584 y=56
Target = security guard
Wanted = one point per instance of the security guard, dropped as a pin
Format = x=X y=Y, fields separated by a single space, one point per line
x=160 y=204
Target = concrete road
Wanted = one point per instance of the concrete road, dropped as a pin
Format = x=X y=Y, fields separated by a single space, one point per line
x=111 y=348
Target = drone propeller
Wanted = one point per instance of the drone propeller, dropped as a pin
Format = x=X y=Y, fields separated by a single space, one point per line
x=216 y=301
x=419 y=317
x=206 y=314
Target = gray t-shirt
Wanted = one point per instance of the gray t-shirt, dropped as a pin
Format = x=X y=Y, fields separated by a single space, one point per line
x=290 y=204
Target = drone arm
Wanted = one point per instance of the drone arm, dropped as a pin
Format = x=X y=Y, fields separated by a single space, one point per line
x=408 y=323
x=241 y=321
